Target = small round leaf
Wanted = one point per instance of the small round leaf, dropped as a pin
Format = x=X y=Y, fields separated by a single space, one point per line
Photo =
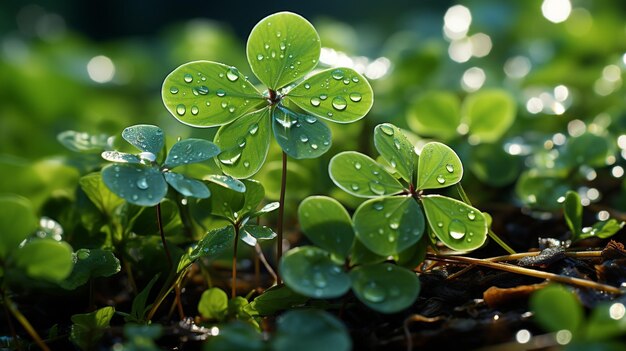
x=542 y=190
x=436 y=113
x=300 y=136
x=213 y=304
x=385 y=287
x=137 y=184
x=438 y=167
x=327 y=224
x=389 y=225
x=208 y=94
x=588 y=149
x=309 y=271
x=190 y=151
x=396 y=149
x=361 y=176
x=45 y=259
x=187 y=186
x=310 y=330
x=458 y=225
x=282 y=48
x=17 y=221
x=337 y=94
x=556 y=308
x=244 y=144
x=91 y=263
x=489 y=113
x=147 y=138
x=255 y=193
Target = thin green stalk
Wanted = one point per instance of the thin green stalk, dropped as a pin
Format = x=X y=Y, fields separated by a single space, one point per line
x=160 y=224
x=11 y=327
x=24 y=322
x=233 y=288
x=490 y=232
x=167 y=287
x=281 y=213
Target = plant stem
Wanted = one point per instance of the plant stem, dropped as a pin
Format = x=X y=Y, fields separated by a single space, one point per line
x=233 y=286
x=261 y=256
x=526 y=271
x=160 y=224
x=490 y=232
x=281 y=213
x=24 y=322
x=11 y=327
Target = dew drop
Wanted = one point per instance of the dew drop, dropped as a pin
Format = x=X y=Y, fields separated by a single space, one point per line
x=449 y=168
x=339 y=103
x=231 y=109
x=304 y=138
x=229 y=157
x=135 y=197
x=315 y=101
x=386 y=129
x=378 y=206
x=471 y=215
x=373 y=293
x=220 y=92
x=337 y=74
x=188 y=78
x=354 y=187
x=260 y=57
x=394 y=225
x=357 y=165
x=396 y=143
x=142 y=183
x=282 y=45
x=203 y=90
x=356 y=97
x=310 y=119
x=393 y=163
x=440 y=179
x=440 y=224
x=456 y=229
x=307 y=86
x=241 y=142
x=355 y=79
x=173 y=90
x=180 y=109
x=319 y=280
x=376 y=188
x=346 y=81
x=232 y=74
x=314 y=146
x=194 y=110
x=246 y=164
x=254 y=127
x=323 y=96
x=391 y=238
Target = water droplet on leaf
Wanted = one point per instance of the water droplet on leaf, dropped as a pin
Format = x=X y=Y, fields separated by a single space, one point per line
x=180 y=109
x=356 y=97
x=142 y=183
x=339 y=103
x=194 y=110
x=174 y=90
x=373 y=293
x=441 y=179
x=232 y=74
x=220 y=93
x=376 y=188
x=386 y=129
x=315 y=101
x=456 y=229
x=188 y=78
x=254 y=127
x=449 y=168
x=337 y=74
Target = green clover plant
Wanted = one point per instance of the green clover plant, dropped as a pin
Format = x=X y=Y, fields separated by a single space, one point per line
x=401 y=206
x=573 y=213
x=321 y=271
x=140 y=180
x=282 y=50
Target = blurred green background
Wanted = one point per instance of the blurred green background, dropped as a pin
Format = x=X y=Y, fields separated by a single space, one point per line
x=97 y=67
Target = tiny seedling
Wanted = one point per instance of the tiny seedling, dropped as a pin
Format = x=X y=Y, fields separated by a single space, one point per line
x=282 y=50
x=401 y=205
x=573 y=212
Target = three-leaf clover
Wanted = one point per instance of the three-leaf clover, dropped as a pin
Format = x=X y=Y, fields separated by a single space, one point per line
x=282 y=50
x=140 y=180
x=319 y=271
x=395 y=217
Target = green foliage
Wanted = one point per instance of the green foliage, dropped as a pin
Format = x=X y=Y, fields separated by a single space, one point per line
x=556 y=308
x=282 y=50
x=458 y=225
x=89 y=264
x=140 y=180
x=276 y=299
x=315 y=272
x=88 y=328
x=573 y=211
x=38 y=258
x=213 y=304
x=140 y=306
x=310 y=330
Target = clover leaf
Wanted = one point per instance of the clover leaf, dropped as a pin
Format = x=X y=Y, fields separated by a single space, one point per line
x=282 y=50
x=395 y=219
x=323 y=272
x=140 y=180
